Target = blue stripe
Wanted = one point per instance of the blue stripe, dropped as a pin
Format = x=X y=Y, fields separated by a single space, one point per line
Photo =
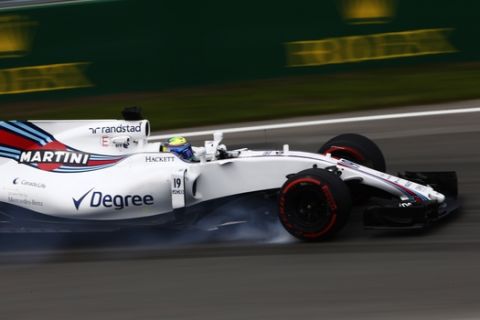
x=105 y=158
x=9 y=155
x=77 y=171
x=39 y=130
x=22 y=132
x=85 y=168
x=6 y=149
x=35 y=132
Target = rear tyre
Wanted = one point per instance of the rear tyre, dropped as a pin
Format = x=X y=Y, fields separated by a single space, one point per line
x=314 y=204
x=356 y=148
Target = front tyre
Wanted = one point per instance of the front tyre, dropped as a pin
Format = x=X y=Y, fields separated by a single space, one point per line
x=356 y=148
x=314 y=204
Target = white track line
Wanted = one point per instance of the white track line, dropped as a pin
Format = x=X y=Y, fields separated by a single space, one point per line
x=46 y=3
x=320 y=122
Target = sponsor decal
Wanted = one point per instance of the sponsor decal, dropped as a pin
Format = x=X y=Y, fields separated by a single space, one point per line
x=349 y=163
x=19 y=198
x=105 y=141
x=405 y=204
x=25 y=202
x=30 y=145
x=23 y=182
x=116 y=129
x=52 y=156
x=379 y=46
x=98 y=199
x=159 y=159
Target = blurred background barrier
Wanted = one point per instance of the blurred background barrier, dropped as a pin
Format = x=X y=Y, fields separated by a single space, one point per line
x=60 y=49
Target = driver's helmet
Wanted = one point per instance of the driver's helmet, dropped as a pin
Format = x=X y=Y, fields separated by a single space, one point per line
x=180 y=147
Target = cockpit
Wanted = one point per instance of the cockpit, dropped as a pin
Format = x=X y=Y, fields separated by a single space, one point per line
x=212 y=150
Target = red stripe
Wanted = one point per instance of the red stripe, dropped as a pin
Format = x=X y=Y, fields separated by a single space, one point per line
x=16 y=141
x=101 y=162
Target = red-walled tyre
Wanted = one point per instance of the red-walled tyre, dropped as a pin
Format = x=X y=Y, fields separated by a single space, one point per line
x=356 y=148
x=314 y=204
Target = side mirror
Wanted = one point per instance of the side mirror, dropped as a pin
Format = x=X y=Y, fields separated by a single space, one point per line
x=211 y=147
x=218 y=136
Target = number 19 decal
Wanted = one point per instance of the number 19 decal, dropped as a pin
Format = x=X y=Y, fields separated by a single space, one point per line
x=177 y=183
x=178 y=189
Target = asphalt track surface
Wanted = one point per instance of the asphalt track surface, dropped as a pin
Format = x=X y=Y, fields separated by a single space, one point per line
x=360 y=275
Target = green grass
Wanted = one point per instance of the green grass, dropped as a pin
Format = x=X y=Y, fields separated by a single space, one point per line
x=270 y=99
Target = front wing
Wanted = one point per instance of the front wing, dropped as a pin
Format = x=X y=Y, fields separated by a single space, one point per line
x=395 y=214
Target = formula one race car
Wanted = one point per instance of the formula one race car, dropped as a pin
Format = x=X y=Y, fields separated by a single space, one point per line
x=105 y=175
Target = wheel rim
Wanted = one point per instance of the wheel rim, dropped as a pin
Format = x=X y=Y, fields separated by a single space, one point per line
x=311 y=208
